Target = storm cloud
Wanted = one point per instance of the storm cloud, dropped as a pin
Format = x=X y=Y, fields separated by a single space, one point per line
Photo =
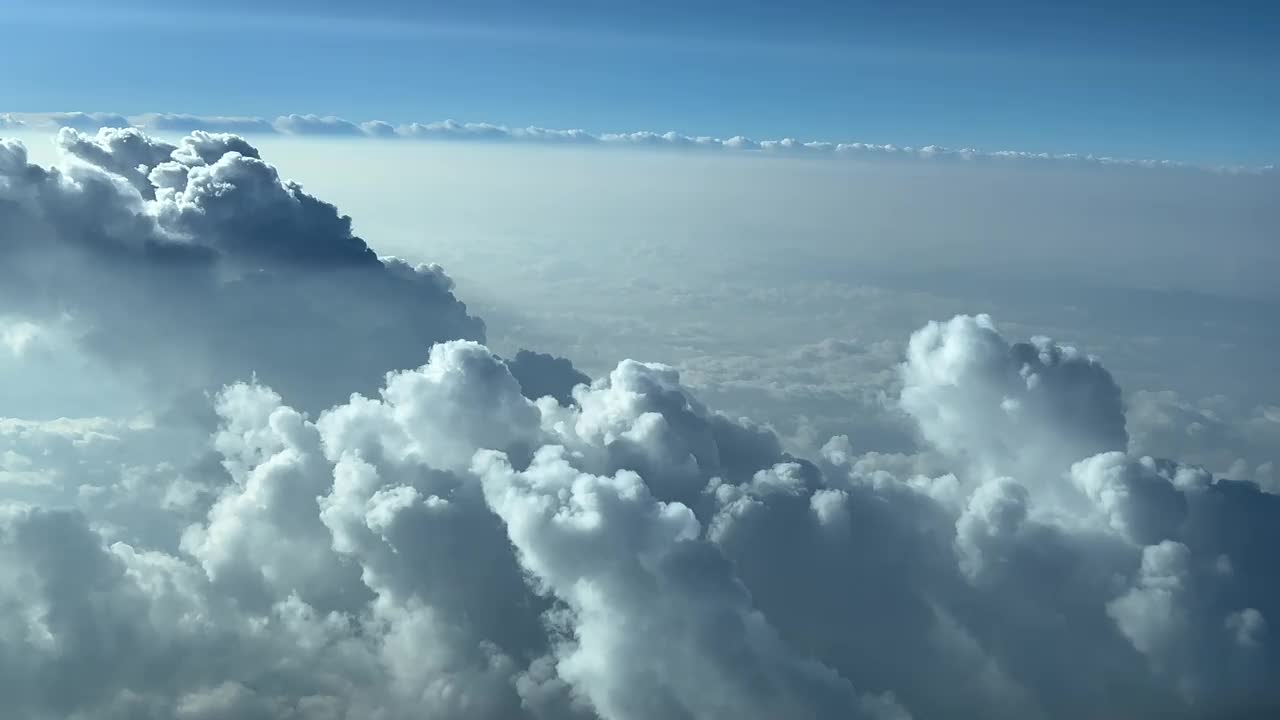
x=195 y=263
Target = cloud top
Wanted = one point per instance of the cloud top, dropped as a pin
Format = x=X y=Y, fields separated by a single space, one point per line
x=255 y=274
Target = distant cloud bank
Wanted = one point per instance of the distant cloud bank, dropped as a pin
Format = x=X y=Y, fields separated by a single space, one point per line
x=452 y=130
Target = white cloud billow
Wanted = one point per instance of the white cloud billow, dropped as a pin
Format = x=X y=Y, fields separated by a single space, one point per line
x=468 y=536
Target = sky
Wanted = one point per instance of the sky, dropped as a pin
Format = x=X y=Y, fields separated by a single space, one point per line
x=699 y=370
x=1183 y=81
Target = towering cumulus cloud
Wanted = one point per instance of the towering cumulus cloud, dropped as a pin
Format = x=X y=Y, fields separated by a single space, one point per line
x=194 y=263
x=391 y=521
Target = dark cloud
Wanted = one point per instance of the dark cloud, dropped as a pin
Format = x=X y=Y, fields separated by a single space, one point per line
x=256 y=275
x=541 y=374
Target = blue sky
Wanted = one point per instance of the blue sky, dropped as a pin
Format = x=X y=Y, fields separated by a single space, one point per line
x=1178 y=81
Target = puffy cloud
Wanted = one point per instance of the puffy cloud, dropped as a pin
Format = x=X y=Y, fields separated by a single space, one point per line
x=392 y=521
x=1025 y=409
x=256 y=275
x=452 y=546
x=657 y=624
x=1138 y=498
x=126 y=153
x=112 y=631
x=378 y=128
x=738 y=142
x=390 y=481
x=1150 y=613
x=1238 y=442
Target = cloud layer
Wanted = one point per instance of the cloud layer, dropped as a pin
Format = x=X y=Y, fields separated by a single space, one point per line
x=452 y=130
x=386 y=519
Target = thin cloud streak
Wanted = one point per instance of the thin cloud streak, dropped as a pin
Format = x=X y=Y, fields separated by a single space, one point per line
x=453 y=130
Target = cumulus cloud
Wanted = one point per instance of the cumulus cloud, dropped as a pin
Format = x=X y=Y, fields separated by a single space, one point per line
x=1024 y=409
x=1229 y=438
x=256 y=275
x=657 y=624
x=389 y=520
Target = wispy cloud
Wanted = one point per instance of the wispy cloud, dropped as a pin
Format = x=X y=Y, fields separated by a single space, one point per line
x=453 y=130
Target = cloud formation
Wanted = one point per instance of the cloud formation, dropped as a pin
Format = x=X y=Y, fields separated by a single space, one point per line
x=389 y=520
x=196 y=263
x=453 y=130
x=1020 y=409
x=182 y=123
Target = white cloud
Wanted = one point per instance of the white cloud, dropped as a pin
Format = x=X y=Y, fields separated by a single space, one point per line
x=657 y=625
x=364 y=543
x=329 y=125
x=1025 y=409
x=1150 y=614
x=1138 y=500
x=315 y=125
x=1225 y=436
x=474 y=537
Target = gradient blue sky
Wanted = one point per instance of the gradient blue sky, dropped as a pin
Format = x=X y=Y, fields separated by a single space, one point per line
x=1174 y=80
